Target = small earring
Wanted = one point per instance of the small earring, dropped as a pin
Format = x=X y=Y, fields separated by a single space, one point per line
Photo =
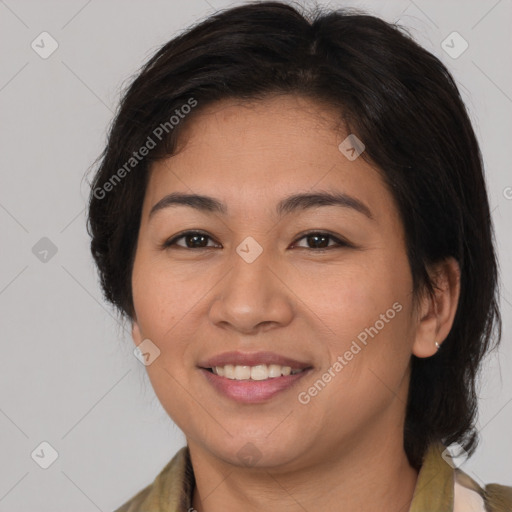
x=438 y=346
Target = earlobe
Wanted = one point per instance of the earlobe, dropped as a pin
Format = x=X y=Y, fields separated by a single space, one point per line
x=437 y=313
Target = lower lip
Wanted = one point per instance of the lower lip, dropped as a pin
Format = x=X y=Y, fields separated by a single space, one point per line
x=252 y=391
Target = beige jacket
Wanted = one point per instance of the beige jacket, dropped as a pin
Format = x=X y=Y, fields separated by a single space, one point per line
x=439 y=488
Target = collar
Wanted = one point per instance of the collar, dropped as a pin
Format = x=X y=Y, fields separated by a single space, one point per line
x=436 y=480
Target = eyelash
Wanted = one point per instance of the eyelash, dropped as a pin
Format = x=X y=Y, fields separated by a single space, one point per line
x=339 y=242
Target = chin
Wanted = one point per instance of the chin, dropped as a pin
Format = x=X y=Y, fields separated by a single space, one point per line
x=258 y=452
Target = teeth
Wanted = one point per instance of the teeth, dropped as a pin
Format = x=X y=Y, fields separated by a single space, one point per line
x=258 y=372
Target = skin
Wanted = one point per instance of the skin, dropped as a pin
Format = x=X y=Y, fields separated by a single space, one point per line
x=294 y=299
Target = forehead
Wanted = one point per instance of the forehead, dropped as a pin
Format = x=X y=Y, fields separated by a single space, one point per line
x=250 y=153
x=270 y=129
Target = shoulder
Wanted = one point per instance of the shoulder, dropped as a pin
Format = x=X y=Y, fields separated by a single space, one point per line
x=469 y=496
x=168 y=492
x=134 y=503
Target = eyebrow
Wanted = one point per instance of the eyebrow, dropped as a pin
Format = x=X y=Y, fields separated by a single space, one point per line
x=293 y=203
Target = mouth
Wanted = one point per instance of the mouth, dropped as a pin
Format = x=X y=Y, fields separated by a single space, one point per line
x=265 y=365
x=252 y=378
x=257 y=372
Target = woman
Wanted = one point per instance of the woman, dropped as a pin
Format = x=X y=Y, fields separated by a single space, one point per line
x=292 y=214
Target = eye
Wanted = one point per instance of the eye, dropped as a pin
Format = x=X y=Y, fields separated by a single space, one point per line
x=320 y=240
x=192 y=240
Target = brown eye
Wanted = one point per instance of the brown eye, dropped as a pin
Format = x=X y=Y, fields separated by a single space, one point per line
x=320 y=240
x=191 y=239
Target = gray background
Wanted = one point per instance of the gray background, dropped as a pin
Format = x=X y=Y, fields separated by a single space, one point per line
x=68 y=373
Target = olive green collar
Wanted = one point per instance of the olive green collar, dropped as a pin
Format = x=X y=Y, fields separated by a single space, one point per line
x=434 y=487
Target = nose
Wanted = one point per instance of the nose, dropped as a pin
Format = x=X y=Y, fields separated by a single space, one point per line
x=252 y=297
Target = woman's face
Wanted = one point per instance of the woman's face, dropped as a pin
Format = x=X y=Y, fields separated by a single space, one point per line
x=253 y=281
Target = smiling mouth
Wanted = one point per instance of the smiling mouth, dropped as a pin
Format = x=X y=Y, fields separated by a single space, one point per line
x=256 y=373
x=238 y=383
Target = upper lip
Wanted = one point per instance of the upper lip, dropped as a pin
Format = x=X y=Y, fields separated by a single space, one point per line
x=252 y=359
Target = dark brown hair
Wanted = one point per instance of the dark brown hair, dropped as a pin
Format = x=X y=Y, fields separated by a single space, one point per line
x=398 y=98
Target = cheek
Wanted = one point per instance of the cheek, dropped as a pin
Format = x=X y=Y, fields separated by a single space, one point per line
x=351 y=296
x=158 y=309
x=365 y=329
x=161 y=294
x=162 y=301
x=362 y=313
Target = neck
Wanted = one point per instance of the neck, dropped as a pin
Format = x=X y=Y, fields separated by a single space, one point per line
x=370 y=476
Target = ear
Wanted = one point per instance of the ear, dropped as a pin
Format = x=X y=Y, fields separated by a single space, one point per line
x=436 y=314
